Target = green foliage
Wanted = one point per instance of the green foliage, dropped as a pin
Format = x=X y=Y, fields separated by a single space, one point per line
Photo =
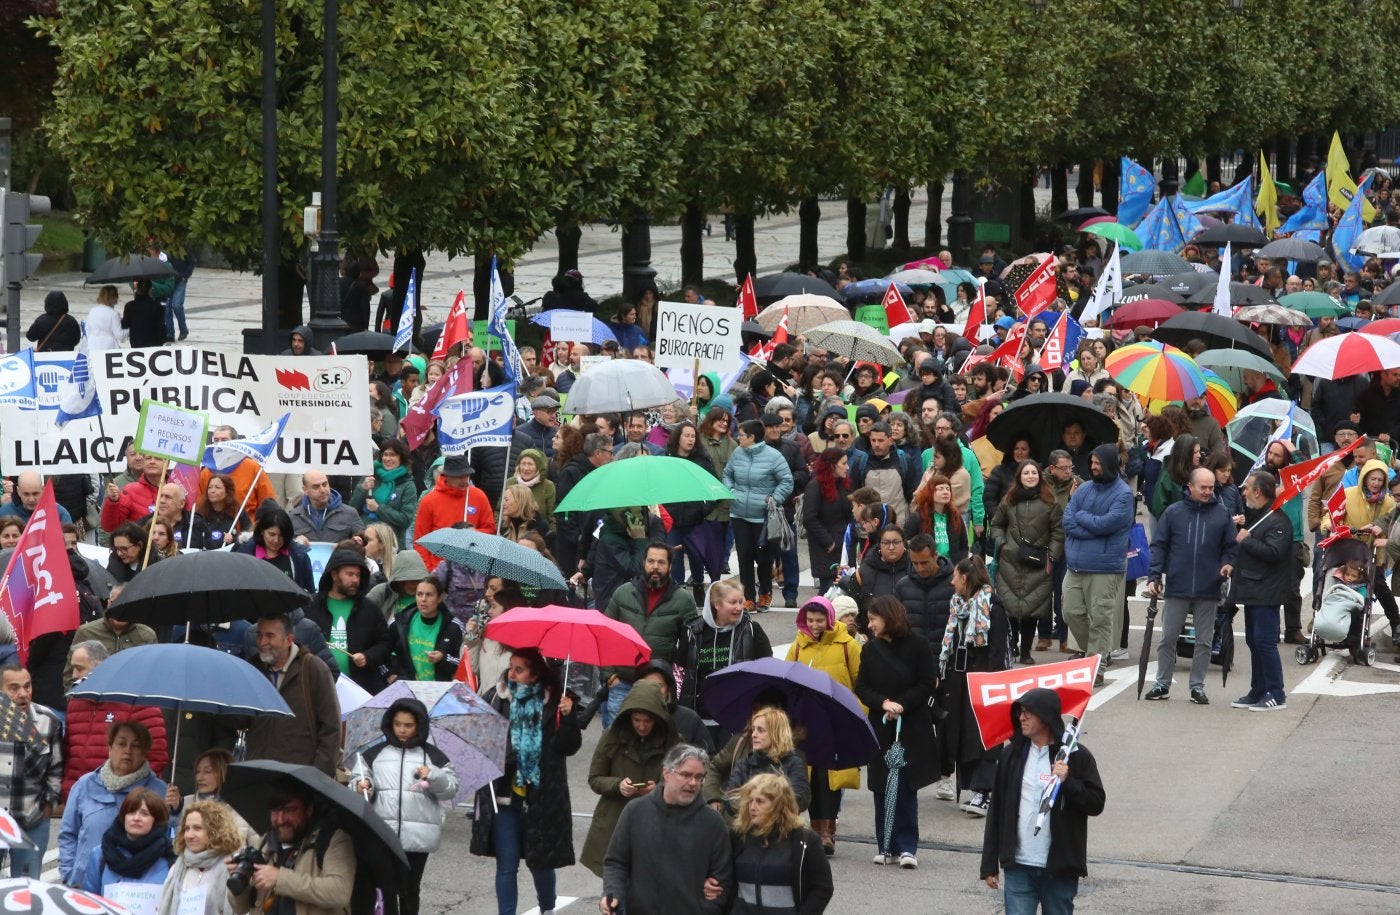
x=60 y=235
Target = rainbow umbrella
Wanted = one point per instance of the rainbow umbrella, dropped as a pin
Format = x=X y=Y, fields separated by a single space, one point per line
x=1220 y=400
x=1157 y=372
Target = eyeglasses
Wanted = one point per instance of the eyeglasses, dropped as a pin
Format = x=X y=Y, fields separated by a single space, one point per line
x=891 y=543
x=843 y=435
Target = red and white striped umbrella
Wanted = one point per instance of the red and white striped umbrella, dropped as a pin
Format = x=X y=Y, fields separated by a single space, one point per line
x=1348 y=354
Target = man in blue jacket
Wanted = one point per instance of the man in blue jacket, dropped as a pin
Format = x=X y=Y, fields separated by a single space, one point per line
x=1194 y=546
x=1097 y=522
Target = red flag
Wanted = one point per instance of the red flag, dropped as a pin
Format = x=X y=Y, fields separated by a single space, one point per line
x=1296 y=478
x=896 y=312
x=1008 y=354
x=1341 y=533
x=764 y=351
x=38 y=579
x=992 y=693
x=464 y=673
x=420 y=417
x=1038 y=291
x=1051 y=357
x=748 y=302
x=187 y=475
x=976 y=316
x=1337 y=508
x=455 y=329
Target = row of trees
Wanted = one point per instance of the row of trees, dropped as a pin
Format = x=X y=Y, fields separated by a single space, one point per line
x=471 y=127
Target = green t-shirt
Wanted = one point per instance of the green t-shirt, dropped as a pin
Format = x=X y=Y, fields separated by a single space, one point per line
x=422 y=638
x=940 y=535
x=340 y=645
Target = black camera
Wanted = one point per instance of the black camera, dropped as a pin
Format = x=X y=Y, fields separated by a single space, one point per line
x=245 y=858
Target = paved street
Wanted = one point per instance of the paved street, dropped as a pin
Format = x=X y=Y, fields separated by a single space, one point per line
x=1210 y=809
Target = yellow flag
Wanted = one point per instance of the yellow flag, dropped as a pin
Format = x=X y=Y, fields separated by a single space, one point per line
x=1266 y=203
x=1340 y=187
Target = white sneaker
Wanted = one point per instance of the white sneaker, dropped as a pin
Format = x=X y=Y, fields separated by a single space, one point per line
x=1118 y=654
x=908 y=861
x=883 y=859
x=946 y=791
x=977 y=805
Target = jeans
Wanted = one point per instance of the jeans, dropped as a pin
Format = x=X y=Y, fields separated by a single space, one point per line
x=1174 y=611
x=175 y=309
x=26 y=863
x=508 y=832
x=1053 y=627
x=905 y=837
x=616 y=694
x=1025 y=889
x=753 y=551
x=1265 y=668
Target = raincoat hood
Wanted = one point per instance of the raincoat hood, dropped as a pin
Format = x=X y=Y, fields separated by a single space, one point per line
x=816 y=603
x=55 y=304
x=340 y=559
x=646 y=697
x=541 y=464
x=1043 y=704
x=666 y=670
x=307 y=334
x=707 y=613
x=716 y=389
x=419 y=740
x=1108 y=460
x=408 y=566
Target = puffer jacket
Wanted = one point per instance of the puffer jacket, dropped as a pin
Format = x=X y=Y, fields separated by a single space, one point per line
x=791 y=766
x=753 y=474
x=85 y=736
x=926 y=600
x=1192 y=541
x=1026 y=589
x=1099 y=519
x=91 y=808
x=662 y=628
x=413 y=807
x=876 y=578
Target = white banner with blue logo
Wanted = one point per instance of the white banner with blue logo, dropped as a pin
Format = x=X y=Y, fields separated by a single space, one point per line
x=475 y=419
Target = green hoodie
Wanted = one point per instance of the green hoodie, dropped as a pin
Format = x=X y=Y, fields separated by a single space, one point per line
x=713 y=379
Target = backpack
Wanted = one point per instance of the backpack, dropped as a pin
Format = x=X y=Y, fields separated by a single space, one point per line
x=89 y=604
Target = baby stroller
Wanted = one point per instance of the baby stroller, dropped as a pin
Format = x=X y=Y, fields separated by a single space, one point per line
x=1324 y=633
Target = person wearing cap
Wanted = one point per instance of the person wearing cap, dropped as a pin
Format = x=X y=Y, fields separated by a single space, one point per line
x=543 y=424
x=354 y=628
x=1042 y=866
x=452 y=501
x=987 y=269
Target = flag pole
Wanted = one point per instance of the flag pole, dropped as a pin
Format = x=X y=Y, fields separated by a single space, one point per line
x=189 y=532
x=505 y=480
x=164 y=475
x=248 y=495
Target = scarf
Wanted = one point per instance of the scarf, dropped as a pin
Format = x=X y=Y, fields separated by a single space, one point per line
x=385 y=481
x=530 y=483
x=117 y=784
x=205 y=860
x=526 y=731
x=973 y=616
x=130 y=857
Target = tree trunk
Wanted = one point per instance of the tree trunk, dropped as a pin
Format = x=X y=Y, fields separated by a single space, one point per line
x=1059 y=188
x=693 y=244
x=1084 y=189
x=567 y=235
x=745 y=257
x=1171 y=176
x=1283 y=160
x=1027 y=194
x=900 y=242
x=1112 y=170
x=1213 y=172
x=481 y=285
x=933 y=217
x=809 y=213
x=855 y=229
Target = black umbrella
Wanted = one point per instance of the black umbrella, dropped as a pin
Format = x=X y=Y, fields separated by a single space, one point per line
x=1293 y=249
x=129 y=269
x=250 y=784
x=1041 y=418
x=768 y=289
x=1140 y=291
x=754 y=329
x=1146 y=644
x=1238 y=235
x=366 y=343
x=1189 y=283
x=1079 y=214
x=1388 y=296
x=1215 y=331
x=428 y=336
x=211 y=586
x=1158 y=263
x=1240 y=294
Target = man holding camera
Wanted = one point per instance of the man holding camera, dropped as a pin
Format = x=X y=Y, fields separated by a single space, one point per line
x=304 y=867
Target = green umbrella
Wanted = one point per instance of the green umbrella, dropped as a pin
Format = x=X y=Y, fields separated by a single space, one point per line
x=1231 y=363
x=1118 y=232
x=1313 y=304
x=643 y=480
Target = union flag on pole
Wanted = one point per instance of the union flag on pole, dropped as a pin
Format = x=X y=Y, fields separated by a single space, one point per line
x=992 y=694
x=33 y=594
x=1038 y=291
x=748 y=302
x=976 y=316
x=456 y=329
x=896 y=311
x=1296 y=478
x=764 y=351
x=1337 y=508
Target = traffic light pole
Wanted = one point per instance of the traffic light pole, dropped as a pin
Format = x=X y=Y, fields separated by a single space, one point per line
x=19 y=237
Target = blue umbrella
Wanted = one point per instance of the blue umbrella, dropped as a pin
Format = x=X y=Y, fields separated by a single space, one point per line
x=188 y=678
x=601 y=332
x=492 y=555
x=838 y=734
x=1351 y=322
x=874 y=290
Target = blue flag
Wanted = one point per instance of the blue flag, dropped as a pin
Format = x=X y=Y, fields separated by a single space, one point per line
x=78 y=398
x=1135 y=187
x=1237 y=201
x=17 y=379
x=1168 y=226
x=404 y=338
x=496 y=321
x=476 y=418
x=221 y=457
x=1313 y=213
x=1186 y=225
x=1350 y=227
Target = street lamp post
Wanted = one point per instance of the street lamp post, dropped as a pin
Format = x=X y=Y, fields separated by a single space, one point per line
x=325 y=263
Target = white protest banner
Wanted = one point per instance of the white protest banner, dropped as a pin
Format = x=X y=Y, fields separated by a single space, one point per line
x=686 y=333
x=571 y=326
x=171 y=432
x=476 y=418
x=192 y=900
x=327 y=397
x=136 y=898
x=587 y=362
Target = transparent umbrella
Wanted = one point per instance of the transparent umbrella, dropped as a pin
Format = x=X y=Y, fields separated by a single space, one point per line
x=1250 y=429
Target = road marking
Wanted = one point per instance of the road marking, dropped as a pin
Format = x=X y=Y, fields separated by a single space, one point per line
x=561 y=902
x=1327 y=680
x=1122 y=678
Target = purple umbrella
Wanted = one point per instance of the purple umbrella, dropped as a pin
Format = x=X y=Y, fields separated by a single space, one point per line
x=838 y=734
x=708 y=539
x=462 y=725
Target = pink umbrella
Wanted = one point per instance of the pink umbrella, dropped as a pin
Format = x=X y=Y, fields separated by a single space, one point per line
x=930 y=262
x=570 y=634
x=1095 y=220
x=1348 y=354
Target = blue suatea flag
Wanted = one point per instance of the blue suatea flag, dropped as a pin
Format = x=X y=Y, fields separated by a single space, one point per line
x=496 y=317
x=1135 y=187
x=1350 y=227
x=78 y=398
x=17 y=379
x=404 y=338
x=1312 y=216
x=475 y=419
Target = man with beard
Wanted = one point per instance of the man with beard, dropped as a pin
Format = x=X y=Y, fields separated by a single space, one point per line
x=1205 y=427
x=320 y=868
x=657 y=609
x=1097 y=522
x=311 y=737
x=355 y=629
x=1277 y=456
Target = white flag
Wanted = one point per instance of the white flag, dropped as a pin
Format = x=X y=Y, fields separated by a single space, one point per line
x=1222 y=286
x=1108 y=292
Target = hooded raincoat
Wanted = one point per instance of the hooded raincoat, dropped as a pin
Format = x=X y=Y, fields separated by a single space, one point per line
x=413 y=807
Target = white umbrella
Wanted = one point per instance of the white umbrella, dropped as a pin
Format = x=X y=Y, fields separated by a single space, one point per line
x=856 y=341
x=916 y=277
x=804 y=311
x=618 y=387
x=1378 y=238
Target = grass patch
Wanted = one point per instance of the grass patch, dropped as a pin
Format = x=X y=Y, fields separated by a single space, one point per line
x=61 y=235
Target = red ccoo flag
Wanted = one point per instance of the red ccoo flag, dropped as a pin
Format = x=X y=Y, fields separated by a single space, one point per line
x=764 y=351
x=1337 y=508
x=896 y=312
x=748 y=302
x=976 y=316
x=1008 y=354
x=420 y=417
x=1296 y=478
x=455 y=329
x=33 y=594
x=1038 y=291
x=992 y=694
